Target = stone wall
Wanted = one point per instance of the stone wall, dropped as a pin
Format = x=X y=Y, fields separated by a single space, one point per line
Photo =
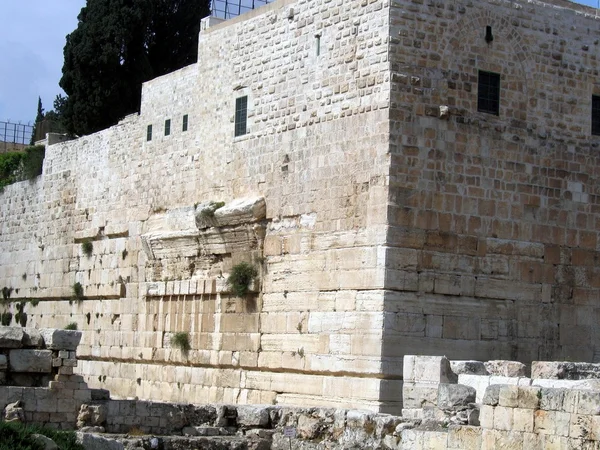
x=396 y=220
x=493 y=217
x=152 y=272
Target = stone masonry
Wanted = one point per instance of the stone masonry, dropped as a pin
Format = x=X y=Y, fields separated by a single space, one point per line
x=384 y=214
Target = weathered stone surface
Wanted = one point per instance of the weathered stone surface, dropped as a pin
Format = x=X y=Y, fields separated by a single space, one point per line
x=492 y=394
x=61 y=339
x=14 y=412
x=432 y=369
x=468 y=367
x=506 y=368
x=96 y=442
x=565 y=370
x=308 y=427
x=11 y=337
x=91 y=415
x=242 y=210
x=451 y=396
x=48 y=443
x=252 y=416
x=3 y=362
x=32 y=337
x=25 y=360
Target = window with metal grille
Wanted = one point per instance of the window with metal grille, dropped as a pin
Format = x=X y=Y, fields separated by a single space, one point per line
x=488 y=93
x=241 y=115
x=596 y=115
x=149 y=133
x=184 y=126
x=167 y=127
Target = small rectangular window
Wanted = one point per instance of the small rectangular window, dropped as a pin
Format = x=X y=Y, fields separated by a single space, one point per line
x=167 y=127
x=184 y=126
x=149 y=133
x=488 y=93
x=241 y=115
x=596 y=115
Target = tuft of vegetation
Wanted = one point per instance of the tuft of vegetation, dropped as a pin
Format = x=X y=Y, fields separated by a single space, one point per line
x=87 y=248
x=6 y=291
x=208 y=212
x=34 y=302
x=16 y=436
x=78 y=290
x=19 y=166
x=6 y=318
x=181 y=340
x=241 y=276
x=71 y=326
x=124 y=254
x=21 y=315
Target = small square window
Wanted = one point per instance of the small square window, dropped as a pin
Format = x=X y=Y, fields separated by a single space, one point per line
x=167 y=127
x=184 y=126
x=241 y=115
x=488 y=93
x=149 y=133
x=596 y=115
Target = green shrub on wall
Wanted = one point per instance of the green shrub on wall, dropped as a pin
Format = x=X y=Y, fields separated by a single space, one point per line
x=87 y=247
x=241 y=276
x=181 y=341
x=19 y=166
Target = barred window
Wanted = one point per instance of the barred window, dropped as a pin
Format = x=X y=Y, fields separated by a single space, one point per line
x=488 y=93
x=167 y=127
x=596 y=115
x=149 y=133
x=184 y=126
x=241 y=115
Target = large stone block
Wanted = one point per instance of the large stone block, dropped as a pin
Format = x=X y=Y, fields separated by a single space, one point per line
x=506 y=368
x=564 y=370
x=451 y=396
x=23 y=360
x=11 y=337
x=32 y=337
x=3 y=362
x=252 y=416
x=61 y=339
x=430 y=369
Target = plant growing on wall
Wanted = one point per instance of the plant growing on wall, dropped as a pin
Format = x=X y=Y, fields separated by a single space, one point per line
x=241 y=276
x=71 y=326
x=87 y=247
x=78 y=290
x=6 y=318
x=181 y=340
x=209 y=211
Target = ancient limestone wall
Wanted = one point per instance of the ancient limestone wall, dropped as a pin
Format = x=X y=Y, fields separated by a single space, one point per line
x=494 y=217
x=316 y=151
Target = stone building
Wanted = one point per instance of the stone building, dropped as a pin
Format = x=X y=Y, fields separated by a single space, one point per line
x=407 y=177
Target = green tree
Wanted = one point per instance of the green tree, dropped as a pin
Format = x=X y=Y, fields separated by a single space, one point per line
x=38 y=120
x=119 y=44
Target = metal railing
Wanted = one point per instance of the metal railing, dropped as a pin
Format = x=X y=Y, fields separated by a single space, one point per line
x=226 y=9
x=14 y=136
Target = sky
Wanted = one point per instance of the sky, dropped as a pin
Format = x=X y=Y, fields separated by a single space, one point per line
x=32 y=38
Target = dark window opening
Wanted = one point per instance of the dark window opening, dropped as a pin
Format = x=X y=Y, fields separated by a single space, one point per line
x=167 y=127
x=241 y=115
x=149 y=133
x=596 y=115
x=184 y=127
x=488 y=93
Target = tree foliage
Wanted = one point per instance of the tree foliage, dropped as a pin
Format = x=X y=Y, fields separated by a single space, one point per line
x=117 y=45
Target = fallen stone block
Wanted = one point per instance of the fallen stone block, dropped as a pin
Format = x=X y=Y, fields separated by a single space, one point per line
x=506 y=368
x=451 y=396
x=32 y=337
x=431 y=369
x=11 y=337
x=46 y=442
x=565 y=370
x=252 y=416
x=492 y=394
x=468 y=367
x=61 y=339
x=24 y=360
x=96 y=442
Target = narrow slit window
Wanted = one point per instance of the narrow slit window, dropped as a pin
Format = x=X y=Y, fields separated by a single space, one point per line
x=241 y=115
x=596 y=115
x=488 y=93
x=149 y=133
x=184 y=126
x=167 y=127
x=318 y=44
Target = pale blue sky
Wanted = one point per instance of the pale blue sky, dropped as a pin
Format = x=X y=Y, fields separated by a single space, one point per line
x=32 y=37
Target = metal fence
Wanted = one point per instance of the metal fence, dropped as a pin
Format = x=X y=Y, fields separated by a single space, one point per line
x=226 y=9
x=14 y=136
